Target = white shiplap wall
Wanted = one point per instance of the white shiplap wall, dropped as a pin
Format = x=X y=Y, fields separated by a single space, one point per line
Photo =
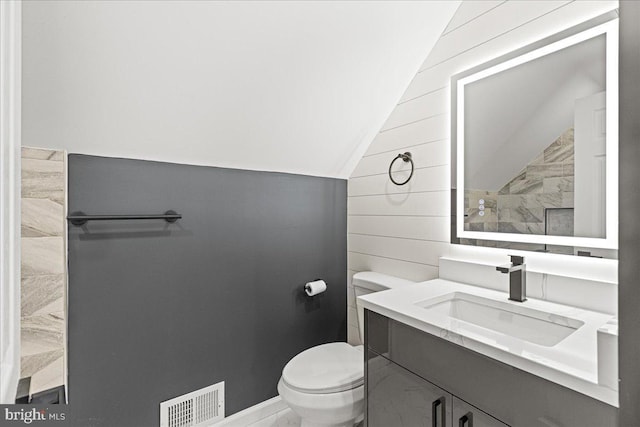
x=403 y=231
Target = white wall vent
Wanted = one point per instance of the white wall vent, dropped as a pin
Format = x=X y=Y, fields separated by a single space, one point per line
x=198 y=408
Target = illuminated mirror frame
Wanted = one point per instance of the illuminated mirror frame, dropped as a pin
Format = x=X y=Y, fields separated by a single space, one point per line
x=537 y=50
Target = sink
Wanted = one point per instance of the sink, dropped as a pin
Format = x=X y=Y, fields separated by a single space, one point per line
x=553 y=341
x=518 y=321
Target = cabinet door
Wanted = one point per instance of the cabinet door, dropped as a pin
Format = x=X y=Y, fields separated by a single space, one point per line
x=465 y=415
x=399 y=398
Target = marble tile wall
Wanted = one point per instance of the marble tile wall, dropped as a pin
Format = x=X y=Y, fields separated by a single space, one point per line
x=43 y=291
x=519 y=206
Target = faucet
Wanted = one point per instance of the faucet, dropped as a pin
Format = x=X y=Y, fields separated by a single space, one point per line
x=517 y=278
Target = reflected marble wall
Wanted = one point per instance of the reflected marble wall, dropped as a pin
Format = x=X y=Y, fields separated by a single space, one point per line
x=519 y=206
x=43 y=291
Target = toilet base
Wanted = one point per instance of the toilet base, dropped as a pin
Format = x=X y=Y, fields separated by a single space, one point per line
x=342 y=409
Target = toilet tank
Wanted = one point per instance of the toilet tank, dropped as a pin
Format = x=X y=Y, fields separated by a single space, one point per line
x=366 y=282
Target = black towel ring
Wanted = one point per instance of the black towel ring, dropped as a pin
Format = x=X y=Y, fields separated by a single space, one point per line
x=406 y=157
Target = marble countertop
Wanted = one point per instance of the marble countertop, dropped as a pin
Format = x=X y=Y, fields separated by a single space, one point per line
x=572 y=362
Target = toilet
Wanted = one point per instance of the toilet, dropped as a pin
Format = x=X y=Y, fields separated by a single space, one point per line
x=324 y=384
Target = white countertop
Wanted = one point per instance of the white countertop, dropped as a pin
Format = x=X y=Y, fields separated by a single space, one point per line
x=571 y=363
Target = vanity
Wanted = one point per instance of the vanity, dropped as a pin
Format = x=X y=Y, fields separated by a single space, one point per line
x=443 y=353
x=534 y=166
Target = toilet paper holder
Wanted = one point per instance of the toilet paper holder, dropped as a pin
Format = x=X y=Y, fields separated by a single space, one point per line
x=315 y=287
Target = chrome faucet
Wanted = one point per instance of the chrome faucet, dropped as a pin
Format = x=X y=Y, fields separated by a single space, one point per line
x=517 y=278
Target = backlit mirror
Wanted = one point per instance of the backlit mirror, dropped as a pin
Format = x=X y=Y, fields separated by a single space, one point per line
x=535 y=143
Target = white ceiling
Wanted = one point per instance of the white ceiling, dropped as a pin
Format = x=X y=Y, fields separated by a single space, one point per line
x=290 y=86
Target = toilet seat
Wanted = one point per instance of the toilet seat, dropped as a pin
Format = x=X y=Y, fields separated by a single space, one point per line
x=327 y=368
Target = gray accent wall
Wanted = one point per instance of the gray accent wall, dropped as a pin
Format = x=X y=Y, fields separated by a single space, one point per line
x=157 y=310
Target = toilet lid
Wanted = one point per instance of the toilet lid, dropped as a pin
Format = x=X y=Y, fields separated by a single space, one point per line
x=327 y=368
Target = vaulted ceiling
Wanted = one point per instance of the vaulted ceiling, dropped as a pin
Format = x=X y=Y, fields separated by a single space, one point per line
x=297 y=87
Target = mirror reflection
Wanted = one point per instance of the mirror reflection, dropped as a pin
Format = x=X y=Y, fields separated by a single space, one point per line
x=534 y=146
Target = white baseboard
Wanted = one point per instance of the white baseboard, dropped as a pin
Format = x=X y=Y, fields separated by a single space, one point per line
x=253 y=414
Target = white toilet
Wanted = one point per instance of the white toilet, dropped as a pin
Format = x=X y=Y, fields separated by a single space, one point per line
x=324 y=385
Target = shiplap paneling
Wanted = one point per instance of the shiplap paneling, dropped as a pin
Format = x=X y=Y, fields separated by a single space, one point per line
x=428 y=130
x=469 y=12
x=434 y=203
x=409 y=227
x=500 y=20
x=431 y=178
x=430 y=105
x=421 y=251
x=434 y=78
x=425 y=155
x=401 y=231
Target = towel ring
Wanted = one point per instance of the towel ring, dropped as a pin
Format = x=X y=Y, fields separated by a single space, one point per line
x=406 y=157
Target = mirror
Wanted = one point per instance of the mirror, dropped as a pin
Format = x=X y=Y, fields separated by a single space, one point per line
x=534 y=136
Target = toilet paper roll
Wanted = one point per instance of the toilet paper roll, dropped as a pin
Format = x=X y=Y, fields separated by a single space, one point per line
x=316 y=287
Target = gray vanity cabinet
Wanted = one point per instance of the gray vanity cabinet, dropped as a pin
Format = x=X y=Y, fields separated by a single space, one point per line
x=407 y=370
x=399 y=398
x=465 y=415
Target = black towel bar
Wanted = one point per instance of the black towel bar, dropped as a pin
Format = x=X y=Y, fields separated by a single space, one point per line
x=80 y=218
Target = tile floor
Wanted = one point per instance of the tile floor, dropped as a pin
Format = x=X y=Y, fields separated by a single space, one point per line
x=284 y=418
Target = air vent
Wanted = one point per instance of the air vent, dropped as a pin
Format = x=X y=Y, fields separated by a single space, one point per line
x=198 y=408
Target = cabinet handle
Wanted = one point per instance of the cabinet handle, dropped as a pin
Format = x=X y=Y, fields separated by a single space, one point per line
x=434 y=412
x=466 y=420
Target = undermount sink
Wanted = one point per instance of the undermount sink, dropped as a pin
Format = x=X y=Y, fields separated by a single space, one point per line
x=518 y=321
